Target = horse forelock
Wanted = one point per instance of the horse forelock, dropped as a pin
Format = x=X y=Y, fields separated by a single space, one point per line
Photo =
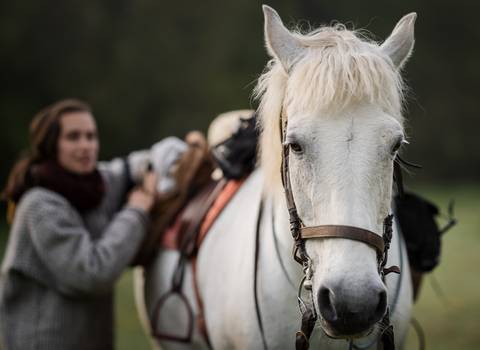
x=336 y=68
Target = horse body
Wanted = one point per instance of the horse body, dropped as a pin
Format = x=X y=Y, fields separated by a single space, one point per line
x=342 y=99
x=226 y=276
x=229 y=290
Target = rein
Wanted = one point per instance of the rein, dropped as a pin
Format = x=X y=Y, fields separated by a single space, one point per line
x=301 y=233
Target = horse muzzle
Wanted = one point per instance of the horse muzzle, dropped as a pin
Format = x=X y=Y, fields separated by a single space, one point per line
x=348 y=313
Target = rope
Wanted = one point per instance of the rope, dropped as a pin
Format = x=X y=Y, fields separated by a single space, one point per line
x=255 y=280
x=419 y=331
x=277 y=249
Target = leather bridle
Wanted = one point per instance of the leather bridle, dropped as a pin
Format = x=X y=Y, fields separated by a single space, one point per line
x=301 y=233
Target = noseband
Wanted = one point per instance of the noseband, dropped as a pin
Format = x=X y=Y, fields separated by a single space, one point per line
x=301 y=233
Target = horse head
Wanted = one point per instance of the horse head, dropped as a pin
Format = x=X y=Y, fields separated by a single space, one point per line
x=342 y=95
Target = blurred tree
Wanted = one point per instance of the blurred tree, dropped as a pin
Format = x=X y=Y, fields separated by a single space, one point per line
x=152 y=69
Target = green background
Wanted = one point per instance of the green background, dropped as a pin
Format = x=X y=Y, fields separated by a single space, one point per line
x=153 y=68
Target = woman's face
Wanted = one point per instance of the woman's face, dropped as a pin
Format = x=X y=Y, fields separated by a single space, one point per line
x=77 y=147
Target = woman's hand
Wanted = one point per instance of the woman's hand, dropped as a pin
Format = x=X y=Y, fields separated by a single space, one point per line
x=143 y=196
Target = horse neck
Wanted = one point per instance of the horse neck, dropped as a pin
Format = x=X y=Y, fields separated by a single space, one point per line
x=278 y=242
x=278 y=275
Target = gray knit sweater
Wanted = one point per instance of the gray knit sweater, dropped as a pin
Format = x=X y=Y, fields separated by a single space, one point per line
x=57 y=277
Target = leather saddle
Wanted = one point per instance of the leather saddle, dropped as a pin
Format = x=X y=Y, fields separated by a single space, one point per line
x=176 y=217
x=193 y=175
x=180 y=221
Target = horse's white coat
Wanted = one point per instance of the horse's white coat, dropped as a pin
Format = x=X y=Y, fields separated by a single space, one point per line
x=342 y=176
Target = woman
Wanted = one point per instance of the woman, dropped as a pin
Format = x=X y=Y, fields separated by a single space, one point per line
x=72 y=233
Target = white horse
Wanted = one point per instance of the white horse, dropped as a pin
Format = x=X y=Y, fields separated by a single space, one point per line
x=342 y=95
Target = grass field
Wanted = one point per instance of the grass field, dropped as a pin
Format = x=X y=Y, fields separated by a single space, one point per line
x=452 y=322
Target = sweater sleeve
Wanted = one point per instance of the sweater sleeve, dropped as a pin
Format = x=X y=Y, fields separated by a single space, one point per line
x=78 y=264
x=123 y=173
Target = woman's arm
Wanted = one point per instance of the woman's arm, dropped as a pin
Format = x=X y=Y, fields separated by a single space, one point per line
x=80 y=265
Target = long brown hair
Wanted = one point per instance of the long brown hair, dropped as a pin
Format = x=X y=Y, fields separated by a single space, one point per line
x=44 y=133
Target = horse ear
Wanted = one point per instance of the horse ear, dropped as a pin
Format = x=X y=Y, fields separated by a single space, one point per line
x=399 y=44
x=280 y=43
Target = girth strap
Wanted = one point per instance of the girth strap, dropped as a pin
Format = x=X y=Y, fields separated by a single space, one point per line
x=343 y=231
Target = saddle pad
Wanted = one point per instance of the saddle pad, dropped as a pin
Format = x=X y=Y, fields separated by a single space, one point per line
x=170 y=238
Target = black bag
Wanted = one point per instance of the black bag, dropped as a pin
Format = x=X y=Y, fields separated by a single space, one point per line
x=416 y=217
x=237 y=155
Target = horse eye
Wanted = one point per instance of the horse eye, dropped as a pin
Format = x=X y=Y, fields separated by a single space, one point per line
x=397 y=145
x=296 y=148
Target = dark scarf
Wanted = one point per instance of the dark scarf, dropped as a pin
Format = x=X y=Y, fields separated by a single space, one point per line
x=84 y=192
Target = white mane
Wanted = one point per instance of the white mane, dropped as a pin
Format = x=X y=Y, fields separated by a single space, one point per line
x=335 y=69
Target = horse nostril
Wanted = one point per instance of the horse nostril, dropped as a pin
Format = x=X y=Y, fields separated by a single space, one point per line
x=381 y=306
x=325 y=303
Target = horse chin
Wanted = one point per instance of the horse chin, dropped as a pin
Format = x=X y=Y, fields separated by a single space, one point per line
x=333 y=333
